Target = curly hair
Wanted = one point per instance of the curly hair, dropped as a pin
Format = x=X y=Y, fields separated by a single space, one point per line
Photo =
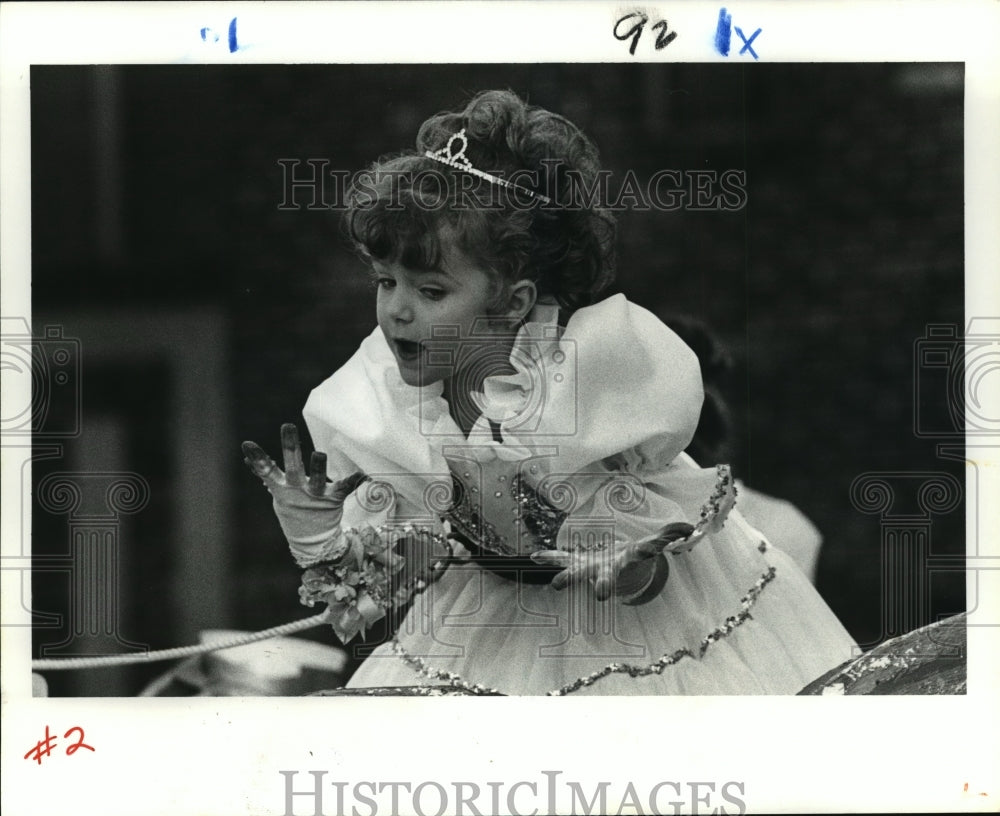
x=397 y=209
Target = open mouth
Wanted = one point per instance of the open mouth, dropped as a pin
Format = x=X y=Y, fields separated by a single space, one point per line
x=407 y=350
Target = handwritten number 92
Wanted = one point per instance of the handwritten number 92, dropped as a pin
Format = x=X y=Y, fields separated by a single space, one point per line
x=631 y=26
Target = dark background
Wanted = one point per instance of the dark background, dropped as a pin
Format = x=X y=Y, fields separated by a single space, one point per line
x=205 y=314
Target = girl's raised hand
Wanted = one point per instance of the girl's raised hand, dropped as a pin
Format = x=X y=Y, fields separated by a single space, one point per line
x=308 y=506
x=633 y=570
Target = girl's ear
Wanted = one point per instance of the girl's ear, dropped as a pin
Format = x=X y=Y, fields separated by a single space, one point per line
x=521 y=297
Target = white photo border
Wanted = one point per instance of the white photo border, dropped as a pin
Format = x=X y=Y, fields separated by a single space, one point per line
x=224 y=756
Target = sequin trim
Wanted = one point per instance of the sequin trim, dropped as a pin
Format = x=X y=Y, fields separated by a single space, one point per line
x=539 y=517
x=671 y=659
x=714 y=512
x=465 y=517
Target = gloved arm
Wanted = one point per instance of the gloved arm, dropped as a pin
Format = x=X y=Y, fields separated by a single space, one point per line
x=309 y=508
x=636 y=571
x=358 y=573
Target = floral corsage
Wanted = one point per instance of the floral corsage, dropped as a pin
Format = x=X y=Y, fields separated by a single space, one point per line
x=376 y=569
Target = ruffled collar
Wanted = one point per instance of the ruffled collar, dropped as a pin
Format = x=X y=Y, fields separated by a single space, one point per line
x=504 y=400
x=614 y=378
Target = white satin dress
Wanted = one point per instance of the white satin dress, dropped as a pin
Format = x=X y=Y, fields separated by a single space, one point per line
x=584 y=441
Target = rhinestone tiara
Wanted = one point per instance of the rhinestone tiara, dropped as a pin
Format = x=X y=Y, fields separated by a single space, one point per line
x=460 y=162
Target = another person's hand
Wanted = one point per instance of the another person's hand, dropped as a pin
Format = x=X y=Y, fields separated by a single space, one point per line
x=309 y=507
x=635 y=571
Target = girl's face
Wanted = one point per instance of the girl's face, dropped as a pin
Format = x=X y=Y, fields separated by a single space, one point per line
x=440 y=305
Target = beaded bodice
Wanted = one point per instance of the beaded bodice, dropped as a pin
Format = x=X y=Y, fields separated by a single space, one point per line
x=495 y=506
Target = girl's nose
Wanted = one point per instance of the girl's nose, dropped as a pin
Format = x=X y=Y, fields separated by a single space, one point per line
x=400 y=309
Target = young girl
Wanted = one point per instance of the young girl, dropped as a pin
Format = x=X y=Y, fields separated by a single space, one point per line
x=507 y=449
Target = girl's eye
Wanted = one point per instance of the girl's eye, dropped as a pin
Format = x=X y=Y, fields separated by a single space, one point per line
x=385 y=283
x=432 y=294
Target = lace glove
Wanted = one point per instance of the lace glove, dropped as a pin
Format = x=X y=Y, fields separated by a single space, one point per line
x=634 y=571
x=309 y=508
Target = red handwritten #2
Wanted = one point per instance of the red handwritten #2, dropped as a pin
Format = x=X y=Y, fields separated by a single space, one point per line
x=43 y=748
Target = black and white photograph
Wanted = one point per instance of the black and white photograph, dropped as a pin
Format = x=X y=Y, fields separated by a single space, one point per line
x=499 y=379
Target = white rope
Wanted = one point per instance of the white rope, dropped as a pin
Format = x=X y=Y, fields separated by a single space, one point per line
x=61 y=663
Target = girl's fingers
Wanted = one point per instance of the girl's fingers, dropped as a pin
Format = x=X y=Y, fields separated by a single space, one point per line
x=603 y=586
x=668 y=535
x=675 y=531
x=317 y=474
x=552 y=558
x=260 y=463
x=577 y=573
x=294 y=469
x=345 y=487
x=578 y=568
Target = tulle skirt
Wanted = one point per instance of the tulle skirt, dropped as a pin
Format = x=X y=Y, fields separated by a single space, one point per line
x=736 y=617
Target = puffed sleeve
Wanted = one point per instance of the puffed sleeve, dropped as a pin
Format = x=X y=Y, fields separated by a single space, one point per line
x=364 y=420
x=616 y=379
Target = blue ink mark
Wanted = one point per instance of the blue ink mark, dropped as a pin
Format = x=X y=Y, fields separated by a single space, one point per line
x=724 y=32
x=233 y=46
x=204 y=35
x=746 y=43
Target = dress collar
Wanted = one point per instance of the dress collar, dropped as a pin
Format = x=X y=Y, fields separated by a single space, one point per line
x=613 y=379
